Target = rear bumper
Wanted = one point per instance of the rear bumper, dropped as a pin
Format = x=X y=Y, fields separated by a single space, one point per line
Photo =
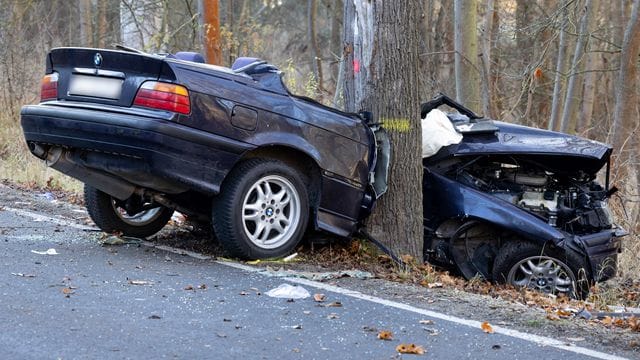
x=601 y=250
x=141 y=149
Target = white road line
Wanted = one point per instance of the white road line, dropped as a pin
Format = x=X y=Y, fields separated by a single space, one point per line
x=39 y=217
x=537 y=339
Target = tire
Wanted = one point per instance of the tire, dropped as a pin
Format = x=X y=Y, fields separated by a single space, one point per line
x=111 y=218
x=262 y=211
x=525 y=264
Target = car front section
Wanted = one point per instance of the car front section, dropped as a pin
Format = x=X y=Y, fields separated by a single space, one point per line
x=523 y=206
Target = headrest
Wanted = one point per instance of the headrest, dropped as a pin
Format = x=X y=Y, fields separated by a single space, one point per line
x=190 y=56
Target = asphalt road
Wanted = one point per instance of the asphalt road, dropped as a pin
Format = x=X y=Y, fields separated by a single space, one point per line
x=136 y=301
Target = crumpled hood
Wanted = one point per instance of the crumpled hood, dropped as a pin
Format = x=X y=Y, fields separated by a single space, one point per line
x=557 y=151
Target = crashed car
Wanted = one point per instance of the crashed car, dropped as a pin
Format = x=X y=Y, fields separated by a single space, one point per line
x=149 y=134
x=519 y=205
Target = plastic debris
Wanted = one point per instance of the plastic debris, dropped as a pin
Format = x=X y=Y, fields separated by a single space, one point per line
x=288 y=291
x=46 y=252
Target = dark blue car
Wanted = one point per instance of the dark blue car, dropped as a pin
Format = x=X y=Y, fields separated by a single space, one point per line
x=150 y=134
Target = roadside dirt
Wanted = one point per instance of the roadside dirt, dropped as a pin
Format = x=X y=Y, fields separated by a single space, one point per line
x=424 y=287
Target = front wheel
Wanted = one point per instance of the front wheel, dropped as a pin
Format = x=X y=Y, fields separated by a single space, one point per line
x=111 y=215
x=525 y=264
x=262 y=211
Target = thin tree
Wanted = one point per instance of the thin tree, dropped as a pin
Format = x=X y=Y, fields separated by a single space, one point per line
x=466 y=57
x=210 y=11
x=568 y=122
x=316 y=61
x=381 y=62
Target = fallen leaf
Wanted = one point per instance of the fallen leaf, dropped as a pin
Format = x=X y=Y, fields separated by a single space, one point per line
x=202 y=287
x=221 y=335
x=155 y=317
x=607 y=321
x=435 y=285
x=333 y=316
x=552 y=316
x=188 y=287
x=385 y=335
x=297 y=327
x=426 y=322
x=486 y=327
x=410 y=349
x=67 y=291
x=319 y=297
x=243 y=293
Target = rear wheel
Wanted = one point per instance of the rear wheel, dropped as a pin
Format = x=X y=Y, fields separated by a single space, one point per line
x=262 y=211
x=111 y=214
x=525 y=264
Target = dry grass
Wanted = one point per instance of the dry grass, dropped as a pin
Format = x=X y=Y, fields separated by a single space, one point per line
x=19 y=166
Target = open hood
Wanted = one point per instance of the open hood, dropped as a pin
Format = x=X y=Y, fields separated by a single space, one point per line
x=556 y=151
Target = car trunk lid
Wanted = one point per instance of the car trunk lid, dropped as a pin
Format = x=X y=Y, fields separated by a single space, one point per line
x=102 y=76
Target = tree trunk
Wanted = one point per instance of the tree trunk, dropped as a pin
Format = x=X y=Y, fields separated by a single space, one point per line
x=589 y=85
x=211 y=31
x=556 y=102
x=568 y=122
x=466 y=57
x=381 y=57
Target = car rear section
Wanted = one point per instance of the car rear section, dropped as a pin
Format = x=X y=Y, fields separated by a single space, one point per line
x=147 y=133
x=110 y=119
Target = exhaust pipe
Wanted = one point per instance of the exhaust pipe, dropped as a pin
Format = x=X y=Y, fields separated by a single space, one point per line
x=58 y=158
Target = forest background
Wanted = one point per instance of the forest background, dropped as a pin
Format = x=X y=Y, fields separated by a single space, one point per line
x=555 y=64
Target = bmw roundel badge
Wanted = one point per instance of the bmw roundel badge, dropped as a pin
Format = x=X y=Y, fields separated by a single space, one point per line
x=97 y=59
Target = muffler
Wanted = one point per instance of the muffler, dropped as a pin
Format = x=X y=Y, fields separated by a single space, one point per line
x=59 y=159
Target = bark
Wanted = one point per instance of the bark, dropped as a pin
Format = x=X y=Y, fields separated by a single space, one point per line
x=211 y=31
x=381 y=57
x=568 y=122
x=466 y=56
x=316 y=61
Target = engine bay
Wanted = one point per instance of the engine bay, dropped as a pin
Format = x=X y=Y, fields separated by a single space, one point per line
x=575 y=203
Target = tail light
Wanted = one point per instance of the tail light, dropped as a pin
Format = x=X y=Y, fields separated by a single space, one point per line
x=49 y=87
x=163 y=96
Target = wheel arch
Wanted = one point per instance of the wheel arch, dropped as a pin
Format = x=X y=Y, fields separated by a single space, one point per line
x=297 y=159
